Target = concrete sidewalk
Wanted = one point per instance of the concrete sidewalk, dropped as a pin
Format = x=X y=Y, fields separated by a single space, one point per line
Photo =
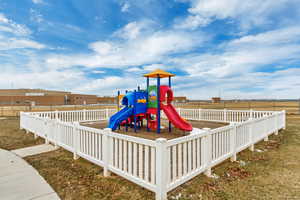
x=19 y=180
x=34 y=150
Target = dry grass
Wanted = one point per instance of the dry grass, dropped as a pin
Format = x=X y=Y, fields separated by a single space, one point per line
x=14 y=111
x=271 y=174
x=11 y=137
x=289 y=106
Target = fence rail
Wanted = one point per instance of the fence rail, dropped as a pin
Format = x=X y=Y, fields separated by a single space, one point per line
x=159 y=165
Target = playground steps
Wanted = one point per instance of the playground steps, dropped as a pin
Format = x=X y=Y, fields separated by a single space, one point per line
x=19 y=180
x=34 y=150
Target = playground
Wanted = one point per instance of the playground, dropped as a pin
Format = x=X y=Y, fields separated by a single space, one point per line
x=149 y=142
x=149 y=113
x=138 y=106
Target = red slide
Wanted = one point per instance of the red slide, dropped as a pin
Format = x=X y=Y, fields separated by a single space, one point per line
x=175 y=118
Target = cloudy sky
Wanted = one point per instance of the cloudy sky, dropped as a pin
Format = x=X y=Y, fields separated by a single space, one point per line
x=239 y=49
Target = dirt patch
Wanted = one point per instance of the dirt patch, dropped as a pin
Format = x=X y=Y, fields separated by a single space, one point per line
x=143 y=133
x=236 y=172
x=272 y=144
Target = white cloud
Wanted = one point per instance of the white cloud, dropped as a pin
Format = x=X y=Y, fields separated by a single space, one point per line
x=192 y=22
x=98 y=72
x=7 y=25
x=109 y=85
x=14 y=43
x=134 y=69
x=135 y=29
x=45 y=79
x=153 y=67
x=236 y=67
x=248 y=13
x=37 y=1
x=146 y=48
x=3 y=19
x=125 y=7
x=15 y=36
x=246 y=53
x=35 y=16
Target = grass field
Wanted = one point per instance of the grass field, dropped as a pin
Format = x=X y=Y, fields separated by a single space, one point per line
x=271 y=174
x=289 y=106
x=11 y=137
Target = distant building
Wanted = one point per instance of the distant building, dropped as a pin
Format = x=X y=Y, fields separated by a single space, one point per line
x=31 y=92
x=180 y=99
x=40 y=97
x=215 y=99
x=81 y=99
x=107 y=100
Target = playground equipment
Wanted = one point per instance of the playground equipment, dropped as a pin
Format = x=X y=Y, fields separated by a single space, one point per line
x=147 y=104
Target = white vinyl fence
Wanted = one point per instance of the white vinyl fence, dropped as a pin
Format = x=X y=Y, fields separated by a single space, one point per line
x=159 y=165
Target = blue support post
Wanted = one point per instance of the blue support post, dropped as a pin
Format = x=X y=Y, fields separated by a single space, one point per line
x=147 y=99
x=134 y=111
x=118 y=100
x=118 y=103
x=170 y=125
x=158 y=104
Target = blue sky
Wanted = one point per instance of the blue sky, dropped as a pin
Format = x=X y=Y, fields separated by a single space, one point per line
x=239 y=49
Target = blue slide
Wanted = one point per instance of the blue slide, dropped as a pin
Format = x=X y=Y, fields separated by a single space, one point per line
x=117 y=118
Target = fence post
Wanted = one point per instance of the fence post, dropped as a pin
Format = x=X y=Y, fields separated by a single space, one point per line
x=106 y=113
x=75 y=140
x=46 y=129
x=21 y=120
x=251 y=136
x=276 y=119
x=266 y=138
x=233 y=142
x=106 y=148
x=84 y=115
x=56 y=114
x=161 y=169
x=200 y=113
x=225 y=115
x=57 y=133
x=179 y=111
x=284 y=119
x=208 y=156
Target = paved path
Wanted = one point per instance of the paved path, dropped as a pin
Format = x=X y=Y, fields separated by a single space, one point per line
x=34 y=150
x=20 y=181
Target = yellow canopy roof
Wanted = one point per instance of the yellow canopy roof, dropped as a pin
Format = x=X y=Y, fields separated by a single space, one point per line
x=158 y=73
